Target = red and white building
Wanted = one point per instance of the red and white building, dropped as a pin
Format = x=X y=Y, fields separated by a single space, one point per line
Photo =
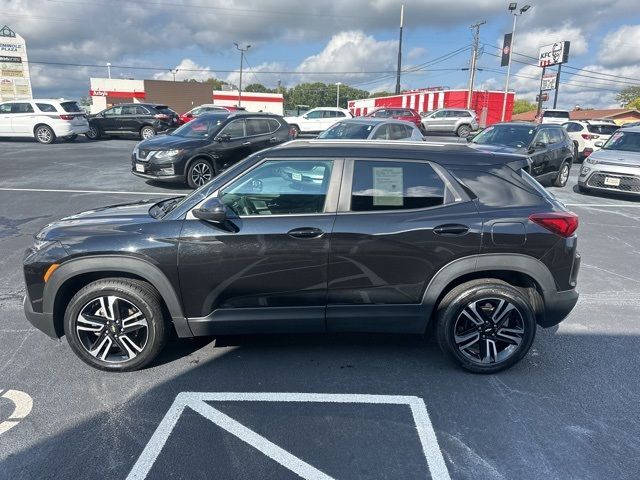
x=180 y=96
x=486 y=103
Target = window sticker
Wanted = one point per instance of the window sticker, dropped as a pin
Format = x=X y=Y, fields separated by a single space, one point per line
x=387 y=186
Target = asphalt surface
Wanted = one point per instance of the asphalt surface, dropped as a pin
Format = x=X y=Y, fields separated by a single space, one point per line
x=568 y=410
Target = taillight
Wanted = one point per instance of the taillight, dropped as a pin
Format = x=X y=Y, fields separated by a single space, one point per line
x=66 y=117
x=161 y=116
x=587 y=136
x=293 y=133
x=561 y=223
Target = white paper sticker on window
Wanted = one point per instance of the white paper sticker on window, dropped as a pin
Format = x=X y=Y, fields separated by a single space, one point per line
x=387 y=186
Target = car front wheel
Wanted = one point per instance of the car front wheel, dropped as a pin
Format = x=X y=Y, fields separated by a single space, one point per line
x=199 y=172
x=116 y=324
x=486 y=325
x=93 y=133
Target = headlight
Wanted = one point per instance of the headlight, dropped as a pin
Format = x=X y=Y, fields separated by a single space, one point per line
x=39 y=244
x=166 y=153
x=590 y=160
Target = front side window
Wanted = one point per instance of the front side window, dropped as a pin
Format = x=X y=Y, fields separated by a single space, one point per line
x=112 y=112
x=389 y=185
x=204 y=127
x=22 y=108
x=440 y=114
x=555 y=135
x=314 y=114
x=280 y=188
x=235 y=129
x=5 y=108
x=542 y=137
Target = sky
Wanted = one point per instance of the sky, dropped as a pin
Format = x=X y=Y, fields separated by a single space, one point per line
x=350 y=41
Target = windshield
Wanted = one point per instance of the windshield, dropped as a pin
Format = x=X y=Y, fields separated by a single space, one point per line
x=517 y=136
x=347 y=130
x=71 y=107
x=625 y=141
x=556 y=115
x=202 y=127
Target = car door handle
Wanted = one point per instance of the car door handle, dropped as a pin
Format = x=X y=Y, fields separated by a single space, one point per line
x=305 y=232
x=273 y=139
x=451 y=230
x=245 y=144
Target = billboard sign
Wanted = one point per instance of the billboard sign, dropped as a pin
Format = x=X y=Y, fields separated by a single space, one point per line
x=549 y=81
x=506 y=50
x=553 y=54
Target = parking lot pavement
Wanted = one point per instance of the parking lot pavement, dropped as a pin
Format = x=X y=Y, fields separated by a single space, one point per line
x=568 y=410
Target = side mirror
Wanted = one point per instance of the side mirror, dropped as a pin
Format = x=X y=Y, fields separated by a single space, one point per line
x=213 y=210
x=225 y=137
x=599 y=144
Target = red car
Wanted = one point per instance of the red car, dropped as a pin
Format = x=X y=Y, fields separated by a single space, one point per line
x=207 y=108
x=406 y=114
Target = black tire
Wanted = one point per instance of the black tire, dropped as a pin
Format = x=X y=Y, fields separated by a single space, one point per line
x=463 y=131
x=200 y=171
x=44 y=134
x=296 y=131
x=563 y=174
x=147 y=132
x=450 y=317
x=94 y=133
x=70 y=138
x=129 y=292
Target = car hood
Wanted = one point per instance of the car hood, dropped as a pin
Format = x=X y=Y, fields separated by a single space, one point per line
x=124 y=217
x=619 y=157
x=171 y=142
x=498 y=148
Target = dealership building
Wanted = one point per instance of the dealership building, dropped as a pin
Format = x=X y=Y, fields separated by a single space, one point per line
x=179 y=96
x=15 y=80
x=486 y=103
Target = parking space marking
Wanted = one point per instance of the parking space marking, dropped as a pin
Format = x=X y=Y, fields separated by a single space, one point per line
x=110 y=192
x=23 y=404
x=600 y=205
x=197 y=402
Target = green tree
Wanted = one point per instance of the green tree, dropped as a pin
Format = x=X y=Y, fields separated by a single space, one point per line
x=318 y=94
x=635 y=104
x=258 y=88
x=628 y=95
x=380 y=94
x=521 y=106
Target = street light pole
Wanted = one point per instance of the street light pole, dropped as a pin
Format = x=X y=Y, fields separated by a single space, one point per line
x=109 y=69
x=512 y=8
x=242 y=51
x=338 y=94
x=400 y=50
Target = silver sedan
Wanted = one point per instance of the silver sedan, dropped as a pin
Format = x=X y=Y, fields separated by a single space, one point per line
x=369 y=128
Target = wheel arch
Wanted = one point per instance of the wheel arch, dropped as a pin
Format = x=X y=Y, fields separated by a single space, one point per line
x=71 y=276
x=42 y=124
x=522 y=271
x=202 y=156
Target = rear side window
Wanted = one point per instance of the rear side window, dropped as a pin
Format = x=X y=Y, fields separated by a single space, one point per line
x=602 y=129
x=257 y=126
x=464 y=113
x=46 y=107
x=21 y=108
x=387 y=185
x=71 y=107
x=555 y=135
x=273 y=124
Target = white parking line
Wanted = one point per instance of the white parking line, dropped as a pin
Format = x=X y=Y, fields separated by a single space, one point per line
x=197 y=402
x=600 y=205
x=110 y=192
x=23 y=405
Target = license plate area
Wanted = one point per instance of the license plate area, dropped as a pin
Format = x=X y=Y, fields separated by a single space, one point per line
x=139 y=168
x=612 y=181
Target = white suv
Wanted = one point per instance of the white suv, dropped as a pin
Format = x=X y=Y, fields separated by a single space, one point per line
x=45 y=119
x=317 y=120
x=586 y=134
x=554 y=116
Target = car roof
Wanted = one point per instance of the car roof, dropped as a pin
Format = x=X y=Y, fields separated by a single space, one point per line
x=38 y=100
x=238 y=113
x=451 y=154
x=374 y=121
x=635 y=129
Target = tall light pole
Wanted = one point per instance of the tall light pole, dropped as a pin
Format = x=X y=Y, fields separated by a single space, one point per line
x=400 y=50
x=109 y=69
x=512 y=9
x=338 y=94
x=174 y=71
x=242 y=50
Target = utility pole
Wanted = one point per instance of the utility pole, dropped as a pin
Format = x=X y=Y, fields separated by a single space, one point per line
x=338 y=94
x=555 y=97
x=109 y=69
x=242 y=51
x=512 y=9
x=400 y=50
x=474 y=58
x=544 y=69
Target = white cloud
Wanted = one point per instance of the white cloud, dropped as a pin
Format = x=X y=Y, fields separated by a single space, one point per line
x=187 y=69
x=251 y=74
x=621 y=46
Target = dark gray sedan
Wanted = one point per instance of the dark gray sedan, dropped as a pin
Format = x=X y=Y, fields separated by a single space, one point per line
x=362 y=128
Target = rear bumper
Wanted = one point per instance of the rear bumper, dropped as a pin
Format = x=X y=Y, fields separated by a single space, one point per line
x=42 y=321
x=557 y=306
x=66 y=130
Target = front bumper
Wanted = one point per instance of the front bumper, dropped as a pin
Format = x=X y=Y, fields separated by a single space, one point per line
x=593 y=177
x=159 y=178
x=42 y=321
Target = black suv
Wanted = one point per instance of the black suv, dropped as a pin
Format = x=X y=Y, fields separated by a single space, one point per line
x=202 y=148
x=316 y=236
x=551 y=150
x=144 y=119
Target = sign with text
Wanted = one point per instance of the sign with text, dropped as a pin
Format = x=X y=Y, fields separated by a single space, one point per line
x=549 y=81
x=553 y=54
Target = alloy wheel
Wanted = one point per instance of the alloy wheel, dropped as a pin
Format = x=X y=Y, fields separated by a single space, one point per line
x=147 y=133
x=200 y=173
x=44 y=134
x=93 y=132
x=112 y=329
x=489 y=331
x=564 y=174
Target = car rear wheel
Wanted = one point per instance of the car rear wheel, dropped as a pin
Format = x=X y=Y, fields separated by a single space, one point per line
x=563 y=175
x=199 y=172
x=93 y=133
x=70 y=138
x=116 y=324
x=147 y=132
x=44 y=134
x=463 y=131
x=295 y=131
x=486 y=325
